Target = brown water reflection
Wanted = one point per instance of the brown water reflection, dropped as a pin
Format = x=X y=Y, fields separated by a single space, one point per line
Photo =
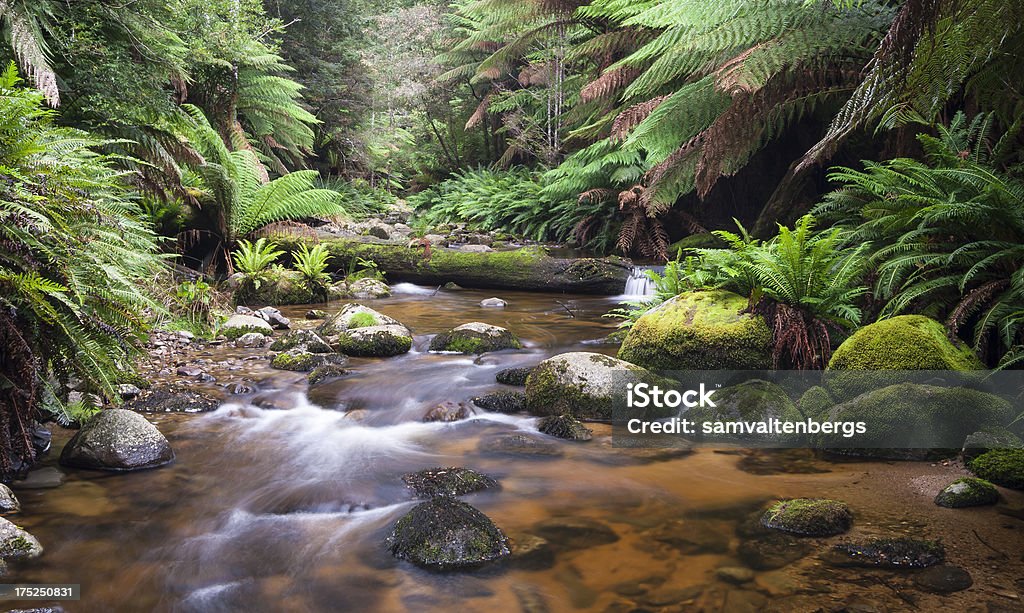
x=285 y=510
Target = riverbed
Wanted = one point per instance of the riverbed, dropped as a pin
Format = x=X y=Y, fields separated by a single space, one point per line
x=281 y=499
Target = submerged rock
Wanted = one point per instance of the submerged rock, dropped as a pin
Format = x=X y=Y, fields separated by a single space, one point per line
x=435 y=482
x=907 y=342
x=772 y=551
x=888 y=553
x=531 y=552
x=699 y=331
x=566 y=427
x=967 y=492
x=575 y=532
x=239 y=325
x=943 y=579
x=117 y=440
x=1003 y=467
x=513 y=376
x=475 y=337
x=447 y=534
x=326 y=372
x=520 y=444
x=808 y=517
x=17 y=544
x=502 y=402
x=582 y=384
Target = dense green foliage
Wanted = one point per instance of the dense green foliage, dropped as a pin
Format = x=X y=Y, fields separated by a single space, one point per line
x=73 y=255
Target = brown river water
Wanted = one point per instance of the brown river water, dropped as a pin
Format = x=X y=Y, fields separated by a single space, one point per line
x=281 y=502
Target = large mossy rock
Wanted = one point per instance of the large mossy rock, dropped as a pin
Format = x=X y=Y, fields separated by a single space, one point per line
x=474 y=338
x=699 y=331
x=906 y=420
x=297 y=360
x=904 y=343
x=353 y=315
x=117 y=440
x=808 y=517
x=278 y=287
x=303 y=340
x=752 y=401
x=967 y=492
x=369 y=289
x=1003 y=467
x=447 y=534
x=360 y=331
x=589 y=386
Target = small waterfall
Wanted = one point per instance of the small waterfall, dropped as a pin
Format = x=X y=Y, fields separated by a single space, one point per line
x=638 y=283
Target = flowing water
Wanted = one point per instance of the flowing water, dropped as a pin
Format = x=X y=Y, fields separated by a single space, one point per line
x=280 y=501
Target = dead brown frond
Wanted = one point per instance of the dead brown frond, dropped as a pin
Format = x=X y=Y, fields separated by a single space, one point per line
x=631 y=117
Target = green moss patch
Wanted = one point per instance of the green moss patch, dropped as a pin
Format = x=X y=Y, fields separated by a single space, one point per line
x=1003 y=467
x=809 y=517
x=967 y=492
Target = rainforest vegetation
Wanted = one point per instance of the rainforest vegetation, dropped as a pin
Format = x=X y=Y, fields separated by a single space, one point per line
x=836 y=162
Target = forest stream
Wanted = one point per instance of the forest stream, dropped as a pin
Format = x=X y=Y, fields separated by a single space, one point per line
x=281 y=500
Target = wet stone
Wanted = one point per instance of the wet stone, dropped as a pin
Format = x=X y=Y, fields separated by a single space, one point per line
x=809 y=517
x=772 y=551
x=565 y=427
x=737 y=575
x=448 y=412
x=526 y=445
x=447 y=534
x=451 y=481
x=513 y=376
x=531 y=552
x=967 y=492
x=502 y=402
x=690 y=537
x=943 y=579
x=887 y=553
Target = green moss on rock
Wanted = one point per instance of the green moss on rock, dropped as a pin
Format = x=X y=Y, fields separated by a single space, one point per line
x=815 y=402
x=475 y=338
x=904 y=343
x=751 y=401
x=808 y=517
x=447 y=534
x=699 y=331
x=233 y=334
x=279 y=287
x=362 y=320
x=307 y=340
x=304 y=361
x=1003 y=467
x=987 y=439
x=374 y=341
x=967 y=492
x=452 y=481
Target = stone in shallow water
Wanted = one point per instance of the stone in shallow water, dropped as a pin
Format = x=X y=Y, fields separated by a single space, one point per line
x=772 y=551
x=118 y=440
x=887 y=553
x=967 y=492
x=513 y=376
x=41 y=479
x=531 y=552
x=304 y=361
x=447 y=534
x=502 y=402
x=16 y=544
x=575 y=532
x=808 y=517
x=520 y=444
x=174 y=399
x=448 y=412
x=325 y=373
x=496 y=303
x=943 y=579
x=475 y=337
x=8 y=501
x=565 y=427
x=451 y=481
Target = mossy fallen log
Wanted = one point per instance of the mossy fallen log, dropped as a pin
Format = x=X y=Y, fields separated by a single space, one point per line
x=529 y=268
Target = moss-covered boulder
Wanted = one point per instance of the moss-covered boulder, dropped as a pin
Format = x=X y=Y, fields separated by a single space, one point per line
x=808 y=517
x=278 y=286
x=904 y=343
x=589 y=386
x=815 y=402
x=751 y=401
x=305 y=340
x=451 y=481
x=447 y=534
x=342 y=320
x=374 y=341
x=475 y=338
x=564 y=426
x=699 y=331
x=17 y=544
x=967 y=492
x=305 y=361
x=985 y=440
x=326 y=372
x=908 y=421
x=369 y=289
x=239 y=325
x=1003 y=467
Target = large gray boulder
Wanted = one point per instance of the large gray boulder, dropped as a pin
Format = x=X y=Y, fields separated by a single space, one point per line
x=117 y=440
x=364 y=289
x=360 y=331
x=584 y=385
